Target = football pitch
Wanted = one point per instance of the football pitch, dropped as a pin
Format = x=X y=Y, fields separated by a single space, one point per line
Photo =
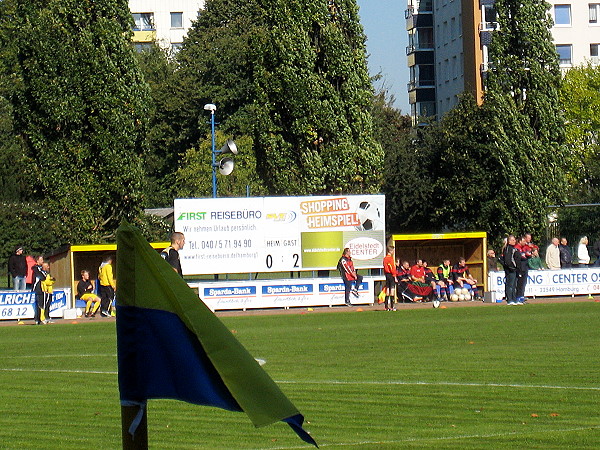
x=489 y=377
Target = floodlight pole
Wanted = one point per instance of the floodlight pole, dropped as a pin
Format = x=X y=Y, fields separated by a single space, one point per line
x=212 y=108
x=213 y=151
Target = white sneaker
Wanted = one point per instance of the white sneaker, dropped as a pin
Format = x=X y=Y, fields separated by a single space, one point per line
x=512 y=303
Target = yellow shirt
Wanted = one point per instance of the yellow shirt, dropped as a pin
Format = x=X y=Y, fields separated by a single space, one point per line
x=47 y=284
x=105 y=276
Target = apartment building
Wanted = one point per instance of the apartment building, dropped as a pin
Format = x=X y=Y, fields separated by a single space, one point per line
x=448 y=47
x=163 y=22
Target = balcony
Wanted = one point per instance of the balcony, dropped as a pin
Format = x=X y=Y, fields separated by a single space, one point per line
x=489 y=26
x=419 y=47
x=418 y=20
x=420 y=84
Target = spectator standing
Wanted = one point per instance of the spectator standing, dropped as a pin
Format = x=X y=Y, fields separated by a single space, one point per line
x=522 y=268
x=38 y=276
x=17 y=266
x=566 y=258
x=583 y=256
x=30 y=260
x=510 y=261
x=349 y=276
x=108 y=286
x=492 y=261
x=529 y=242
x=596 y=252
x=391 y=278
x=171 y=253
x=553 y=255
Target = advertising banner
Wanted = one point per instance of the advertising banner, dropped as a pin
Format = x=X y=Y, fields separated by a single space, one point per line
x=20 y=304
x=279 y=234
x=553 y=283
x=280 y=293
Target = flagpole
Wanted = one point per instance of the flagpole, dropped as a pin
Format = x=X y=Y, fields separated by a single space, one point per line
x=138 y=441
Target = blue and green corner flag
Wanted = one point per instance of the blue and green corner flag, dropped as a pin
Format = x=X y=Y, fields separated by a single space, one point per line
x=170 y=345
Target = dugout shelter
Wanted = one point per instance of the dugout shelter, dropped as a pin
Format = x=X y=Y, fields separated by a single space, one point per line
x=435 y=247
x=66 y=263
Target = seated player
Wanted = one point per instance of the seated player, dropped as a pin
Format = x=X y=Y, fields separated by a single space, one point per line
x=85 y=292
x=462 y=278
x=430 y=278
x=444 y=286
x=403 y=277
x=417 y=288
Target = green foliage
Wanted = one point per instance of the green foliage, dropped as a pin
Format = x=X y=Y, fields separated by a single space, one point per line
x=522 y=100
x=407 y=183
x=32 y=225
x=81 y=109
x=161 y=155
x=300 y=89
x=194 y=176
x=580 y=97
x=496 y=167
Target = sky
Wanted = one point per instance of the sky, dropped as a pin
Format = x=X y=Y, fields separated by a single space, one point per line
x=385 y=27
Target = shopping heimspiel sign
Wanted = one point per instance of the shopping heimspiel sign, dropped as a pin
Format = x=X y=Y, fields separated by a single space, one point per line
x=279 y=234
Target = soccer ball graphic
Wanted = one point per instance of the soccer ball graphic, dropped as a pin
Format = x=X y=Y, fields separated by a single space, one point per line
x=369 y=216
x=436 y=303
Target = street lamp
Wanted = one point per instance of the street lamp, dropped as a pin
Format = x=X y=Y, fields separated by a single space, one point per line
x=226 y=164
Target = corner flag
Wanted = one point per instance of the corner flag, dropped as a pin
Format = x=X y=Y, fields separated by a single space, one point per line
x=170 y=345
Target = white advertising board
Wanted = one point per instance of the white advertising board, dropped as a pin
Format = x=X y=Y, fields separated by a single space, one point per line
x=20 y=304
x=280 y=293
x=279 y=234
x=551 y=283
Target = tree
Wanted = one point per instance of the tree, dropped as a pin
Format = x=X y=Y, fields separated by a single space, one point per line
x=161 y=155
x=300 y=89
x=580 y=97
x=499 y=165
x=15 y=168
x=194 y=176
x=406 y=181
x=80 y=106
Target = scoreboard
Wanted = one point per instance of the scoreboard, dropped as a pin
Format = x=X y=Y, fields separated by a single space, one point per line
x=279 y=234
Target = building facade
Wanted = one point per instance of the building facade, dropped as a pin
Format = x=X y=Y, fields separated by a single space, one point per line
x=448 y=47
x=165 y=23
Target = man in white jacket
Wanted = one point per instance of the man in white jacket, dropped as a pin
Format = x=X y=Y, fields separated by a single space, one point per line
x=553 y=255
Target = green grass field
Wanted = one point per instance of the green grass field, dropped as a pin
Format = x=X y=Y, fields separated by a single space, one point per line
x=489 y=377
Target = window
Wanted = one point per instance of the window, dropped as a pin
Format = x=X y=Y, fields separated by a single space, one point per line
x=562 y=15
x=143 y=21
x=454 y=68
x=445 y=31
x=490 y=21
x=453 y=28
x=142 y=46
x=175 y=47
x=594 y=9
x=564 y=54
x=594 y=53
x=176 y=20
